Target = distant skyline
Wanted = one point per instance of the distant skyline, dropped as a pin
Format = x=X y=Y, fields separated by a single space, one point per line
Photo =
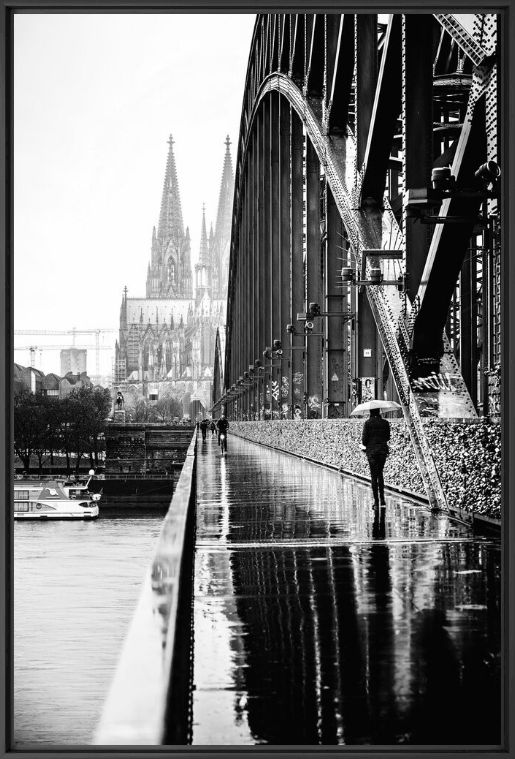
x=95 y=100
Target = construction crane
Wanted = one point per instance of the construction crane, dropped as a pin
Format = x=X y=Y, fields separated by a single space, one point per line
x=73 y=332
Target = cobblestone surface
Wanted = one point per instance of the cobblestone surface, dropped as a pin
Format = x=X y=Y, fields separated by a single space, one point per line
x=467 y=454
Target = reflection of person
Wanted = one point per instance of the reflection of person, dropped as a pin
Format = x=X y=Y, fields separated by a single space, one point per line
x=376 y=433
x=379 y=527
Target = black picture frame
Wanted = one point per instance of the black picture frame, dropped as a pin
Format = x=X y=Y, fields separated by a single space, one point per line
x=7 y=9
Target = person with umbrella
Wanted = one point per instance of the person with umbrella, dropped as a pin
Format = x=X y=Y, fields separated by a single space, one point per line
x=203 y=428
x=376 y=434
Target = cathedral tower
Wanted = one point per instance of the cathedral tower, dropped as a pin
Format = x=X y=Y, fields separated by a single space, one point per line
x=222 y=237
x=203 y=269
x=169 y=272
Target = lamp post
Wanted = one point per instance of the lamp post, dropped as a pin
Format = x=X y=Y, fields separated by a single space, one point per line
x=258 y=372
x=245 y=382
x=274 y=353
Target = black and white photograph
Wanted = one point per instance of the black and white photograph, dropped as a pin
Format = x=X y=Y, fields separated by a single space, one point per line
x=258 y=379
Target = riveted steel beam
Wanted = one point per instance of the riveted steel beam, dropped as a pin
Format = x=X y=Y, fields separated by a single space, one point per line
x=275 y=243
x=284 y=58
x=339 y=96
x=296 y=261
x=336 y=369
x=449 y=242
x=284 y=248
x=298 y=57
x=315 y=72
x=313 y=261
x=385 y=113
x=417 y=123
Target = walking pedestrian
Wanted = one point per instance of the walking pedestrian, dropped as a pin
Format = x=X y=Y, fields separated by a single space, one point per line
x=213 y=427
x=203 y=428
x=376 y=433
x=222 y=425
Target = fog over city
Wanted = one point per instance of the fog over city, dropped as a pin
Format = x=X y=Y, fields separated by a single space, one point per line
x=96 y=97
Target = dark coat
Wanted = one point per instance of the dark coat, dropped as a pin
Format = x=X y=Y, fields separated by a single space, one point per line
x=376 y=433
x=222 y=425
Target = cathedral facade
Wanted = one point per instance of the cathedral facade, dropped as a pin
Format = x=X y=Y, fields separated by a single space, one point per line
x=166 y=343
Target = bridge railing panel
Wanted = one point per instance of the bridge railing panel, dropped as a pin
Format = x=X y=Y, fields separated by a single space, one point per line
x=150 y=683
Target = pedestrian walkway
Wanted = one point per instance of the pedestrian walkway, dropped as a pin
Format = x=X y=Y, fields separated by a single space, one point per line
x=320 y=621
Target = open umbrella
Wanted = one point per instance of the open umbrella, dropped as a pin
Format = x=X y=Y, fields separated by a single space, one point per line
x=365 y=408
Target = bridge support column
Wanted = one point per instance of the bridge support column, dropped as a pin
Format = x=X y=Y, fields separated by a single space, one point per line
x=466 y=296
x=267 y=249
x=275 y=251
x=366 y=79
x=253 y=214
x=262 y=243
x=314 y=291
x=285 y=389
x=417 y=135
x=245 y=244
x=336 y=358
x=298 y=367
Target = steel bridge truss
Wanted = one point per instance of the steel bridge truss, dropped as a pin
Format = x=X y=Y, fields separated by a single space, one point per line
x=344 y=119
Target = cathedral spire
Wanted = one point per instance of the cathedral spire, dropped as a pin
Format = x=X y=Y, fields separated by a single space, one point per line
x=203 y=267
x=170 y=273
x=220 y=255
x=171 y=225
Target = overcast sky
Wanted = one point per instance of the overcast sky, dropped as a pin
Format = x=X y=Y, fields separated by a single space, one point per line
x=96 y=97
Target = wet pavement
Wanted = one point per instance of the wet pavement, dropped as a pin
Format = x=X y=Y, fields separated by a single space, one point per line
x=320 y=621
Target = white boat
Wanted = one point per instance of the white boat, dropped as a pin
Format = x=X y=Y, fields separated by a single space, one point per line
x=35 y=499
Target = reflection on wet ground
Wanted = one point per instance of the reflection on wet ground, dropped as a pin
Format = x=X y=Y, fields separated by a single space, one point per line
x=320 y=621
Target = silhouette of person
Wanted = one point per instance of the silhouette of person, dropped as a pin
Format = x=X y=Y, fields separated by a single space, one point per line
x=376 y=433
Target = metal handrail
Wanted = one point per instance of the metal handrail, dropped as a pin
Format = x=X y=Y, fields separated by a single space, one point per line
x=135 y=712
x=136 y=476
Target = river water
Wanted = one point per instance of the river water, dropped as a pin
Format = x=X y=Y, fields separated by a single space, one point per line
x=75 y=589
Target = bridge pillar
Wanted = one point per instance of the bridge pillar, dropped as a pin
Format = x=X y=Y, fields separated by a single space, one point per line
x=336 y=368
x=261 y=253
x=366 y=79
x=285 y=389
x=267 y=249
x=314 y=291
x=468 y=324
x=298 y=368
x=245 y=248
x=275 y=202
x=253 y=218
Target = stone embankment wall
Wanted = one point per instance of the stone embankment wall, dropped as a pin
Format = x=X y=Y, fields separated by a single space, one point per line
x=467 y=454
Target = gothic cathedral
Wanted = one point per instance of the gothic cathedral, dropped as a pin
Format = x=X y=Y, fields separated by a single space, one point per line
x=166 y=343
